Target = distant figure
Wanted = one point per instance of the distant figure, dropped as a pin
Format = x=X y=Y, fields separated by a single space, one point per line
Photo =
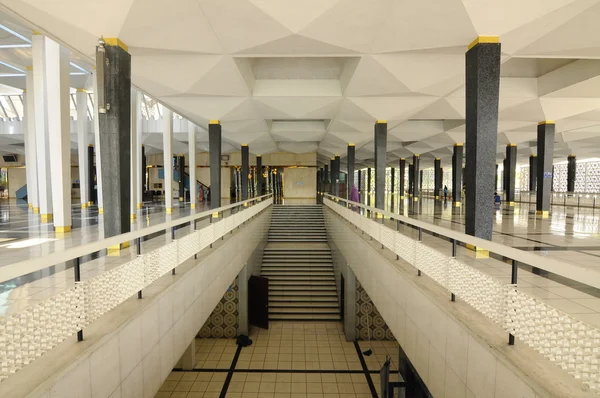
x=445 y=192
x=200 y=195
x=496 y=198
x=354 y=194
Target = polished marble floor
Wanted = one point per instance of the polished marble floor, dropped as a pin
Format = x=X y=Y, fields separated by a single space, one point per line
x=288 y=360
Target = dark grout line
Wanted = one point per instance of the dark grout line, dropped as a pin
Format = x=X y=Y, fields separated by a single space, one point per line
x=366 y=370
x=295 y=371
x=230 y=373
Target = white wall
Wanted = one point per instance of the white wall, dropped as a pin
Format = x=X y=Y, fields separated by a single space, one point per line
x=456 y=350
x=16 y=179
x=300 y=183
x=130 y=351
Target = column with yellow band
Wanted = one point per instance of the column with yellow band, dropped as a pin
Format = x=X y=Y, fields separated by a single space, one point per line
x=544 y=160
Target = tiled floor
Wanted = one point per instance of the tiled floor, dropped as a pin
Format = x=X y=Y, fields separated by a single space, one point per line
x=288 y=360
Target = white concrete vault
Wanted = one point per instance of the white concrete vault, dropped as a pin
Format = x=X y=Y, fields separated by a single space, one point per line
x=280 y=78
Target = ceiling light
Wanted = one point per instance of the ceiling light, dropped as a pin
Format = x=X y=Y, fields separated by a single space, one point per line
x=15 y=45
x=12 y=32
x=74 y=65
x=12 y=67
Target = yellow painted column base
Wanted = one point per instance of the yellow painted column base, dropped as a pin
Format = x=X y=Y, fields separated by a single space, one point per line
x=437 y=197
x=46 y=218
x=132 y=217
x=100 y=210
x=402 y=197
x=180 y=199
x=36 y=210
x=215 y=215
x=479 y=252
x=457 y=204
x=169 y=210
x=62 y=230
x=90 y=203
x=84 y=205
x=115 y=250
x=416 y=199
x=193 y=206
x=31 y=205
x=511 y=203
x=140 y=205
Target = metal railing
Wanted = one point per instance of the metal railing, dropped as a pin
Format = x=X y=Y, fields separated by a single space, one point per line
x=565 y=341
x=575 y=199
x=28 y=334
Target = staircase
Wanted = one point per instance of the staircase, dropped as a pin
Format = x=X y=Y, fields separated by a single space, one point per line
x=297 y=260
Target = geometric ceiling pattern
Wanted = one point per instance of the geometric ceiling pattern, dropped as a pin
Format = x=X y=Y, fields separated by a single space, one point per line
x=314 y=75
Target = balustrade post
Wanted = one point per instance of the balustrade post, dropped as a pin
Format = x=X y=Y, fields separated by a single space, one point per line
x=420 y=240
x=452 y=296
x=77 y=271
x=173 y=230
x=397 y=230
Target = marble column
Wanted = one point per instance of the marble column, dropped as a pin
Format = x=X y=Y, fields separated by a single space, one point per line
x=326 y=176
x=437 y=177
x=482 y=96
x=457 y=160
x=181 y=175
x=380 y=142
x=137 y=152
x=545 y=155
x=533 y=163
x=402 y=167
x=168 y=159
x=97 y=149
x=411 y=180
x=369 y=186
x=245 y=170
x=260 y=179
x=336 y=187
x=392 y=181
x=511 y=162
x=332 y=177
x=571 y=172
x=504 y=177
x=350 y=160
x=421 y=180
x=192 y=164
x=82 y=143
x=359 y=187
x=136 y=133
x=143 y=176
x=115 y=139
x=31 y=169
x=42 y=144
x=92 y=194
x=214 y=144
x=417 y=178
x=57 y=93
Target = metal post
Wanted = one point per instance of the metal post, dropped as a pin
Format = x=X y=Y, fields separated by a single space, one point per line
x=77 y=271
x=452 y=296
x=173 y=229
x=139 y=253
x=210 y=221
x=513 y=280
x=398 y=230
x=420 y=240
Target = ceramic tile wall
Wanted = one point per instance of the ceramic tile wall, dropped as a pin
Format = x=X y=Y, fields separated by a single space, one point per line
x=451 y=359
x=136 y=356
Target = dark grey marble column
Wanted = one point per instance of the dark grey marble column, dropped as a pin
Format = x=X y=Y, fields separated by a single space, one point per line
x=245 y=170
x=360 y=187
x=380 y=142
x=143 y=176
x=402 y=166
x=496 y=183
x=326 y=176
x=511 y=162
x=115 y=140
x=369 y=186
x=259 y=176
x=181 y=172
x=482 y=96
x=421 y=180
x=350 y=159
x=457 y=161
x=571 y=173
x=336 y=182
x=533 y=171
x=332 y=176
x=214 y=146
x=437 y=177
x=417 y=178
x=392 y=180
x=544 y=167
x=411 y=180
x=91 y=176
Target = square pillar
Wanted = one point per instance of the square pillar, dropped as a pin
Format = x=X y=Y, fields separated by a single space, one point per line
x=332 y=176
x=437 y=177
x=336 y=182
x=359 y=187
x=92 y=194
x=392 y=180
x=97 y=157
x=380 y=142
x=457 y=160
x=482 y=97
x=260 y=179
x=350 y=160
x=138 y=152
x=42 y=144
x=82 y=143
x=369 y=186
x=571 y=172
x=417 y=178
x=245 y=170
x=411 y=176
x=192 y=165
x=181 y=177
x=214 y=146
x=545 y=155
x=57 y=93
x=533 y=163
x=31 y=169
x=511 y=162
x=168 y=159
x=115 y=139
x=402 y=168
